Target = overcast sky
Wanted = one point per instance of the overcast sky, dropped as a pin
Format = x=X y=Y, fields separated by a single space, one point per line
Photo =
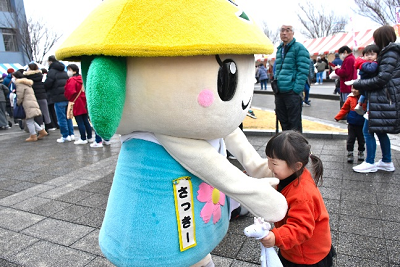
x=65 y=15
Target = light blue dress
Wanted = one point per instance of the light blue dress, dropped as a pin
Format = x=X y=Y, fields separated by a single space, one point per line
x=140 y=224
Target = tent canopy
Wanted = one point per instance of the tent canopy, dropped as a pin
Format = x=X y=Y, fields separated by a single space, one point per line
x=331 y=44
x=5 y=66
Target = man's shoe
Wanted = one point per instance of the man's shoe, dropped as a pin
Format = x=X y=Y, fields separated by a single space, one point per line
x=306 y=104
x=107 y=143
x=91 y=140
x=62 y=139
x=385 y=166
x=365 y=167
x=350 y=157
x=80 y=142
x=361 y=156
x=72 y=137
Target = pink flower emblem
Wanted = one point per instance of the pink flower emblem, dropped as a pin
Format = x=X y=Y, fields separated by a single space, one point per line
x=214 y=200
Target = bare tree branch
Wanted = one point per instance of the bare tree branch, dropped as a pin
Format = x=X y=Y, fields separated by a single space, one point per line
x=33 y=37
x=274 y=36
x=318 y=23
x=380 y=11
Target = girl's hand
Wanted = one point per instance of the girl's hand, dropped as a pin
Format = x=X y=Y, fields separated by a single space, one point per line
x=269 y=240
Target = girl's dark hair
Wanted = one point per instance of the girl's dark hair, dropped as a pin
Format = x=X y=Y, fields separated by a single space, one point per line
x=292 y=147
x=43 y=70
x=73 y=67
x=344 y=48
x=371 y=48
x=33 y=66
x=18 y=75
x=384 y=35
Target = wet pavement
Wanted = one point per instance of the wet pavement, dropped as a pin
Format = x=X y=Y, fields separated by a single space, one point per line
x=53 y=197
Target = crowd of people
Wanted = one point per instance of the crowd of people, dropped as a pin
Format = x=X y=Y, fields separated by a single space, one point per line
x=37 y=100
x=367 y=86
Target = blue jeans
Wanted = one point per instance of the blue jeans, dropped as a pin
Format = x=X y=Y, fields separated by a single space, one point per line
x=319 y=76
x=99 y=139
x=84 y=126
x=371 y=145
x=66 y=127
x=306 y=93
x=264 y=84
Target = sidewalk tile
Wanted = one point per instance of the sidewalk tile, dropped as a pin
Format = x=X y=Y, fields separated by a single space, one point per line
x=50 y=208
x=23 y=195
x=102 y=262
x=32 y=203
x=16 y=220
x=363 y=226
x=72 y=213
x=49 y=254
x=89 y=243
x=12 y=242
x=344 y=260
x=230 y=246
x=59 y=232
x=221 y=262
x=362 y=246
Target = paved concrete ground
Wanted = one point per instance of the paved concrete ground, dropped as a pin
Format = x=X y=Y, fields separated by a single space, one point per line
x=53 y=197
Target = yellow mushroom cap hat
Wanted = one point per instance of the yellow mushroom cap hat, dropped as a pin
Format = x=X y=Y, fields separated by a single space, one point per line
x=152 y=28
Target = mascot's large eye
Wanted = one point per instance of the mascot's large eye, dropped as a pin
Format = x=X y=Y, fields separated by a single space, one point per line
x=227 y=79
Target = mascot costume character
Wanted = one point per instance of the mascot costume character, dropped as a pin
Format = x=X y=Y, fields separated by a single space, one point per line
x=175 y=79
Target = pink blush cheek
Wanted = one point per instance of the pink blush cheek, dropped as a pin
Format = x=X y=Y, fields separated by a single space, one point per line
x=205 y=98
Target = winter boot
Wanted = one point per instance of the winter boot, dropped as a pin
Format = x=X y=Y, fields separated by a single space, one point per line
x=42 y=133
x=350 y=157
x=32 y=138
x=361 y=156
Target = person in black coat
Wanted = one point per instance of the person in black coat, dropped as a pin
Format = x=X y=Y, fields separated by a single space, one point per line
x=56 y=79
x=383 y=94
x=33 y=73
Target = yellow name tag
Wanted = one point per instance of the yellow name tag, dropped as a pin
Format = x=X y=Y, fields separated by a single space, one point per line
x=183 y=194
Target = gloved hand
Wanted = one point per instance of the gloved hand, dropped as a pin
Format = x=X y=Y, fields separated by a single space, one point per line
x=350 y=82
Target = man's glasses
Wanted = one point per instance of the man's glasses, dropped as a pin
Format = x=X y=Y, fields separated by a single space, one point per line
x=286 y=30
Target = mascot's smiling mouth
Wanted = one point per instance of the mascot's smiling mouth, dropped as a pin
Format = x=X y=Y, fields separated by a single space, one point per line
x=245 y=106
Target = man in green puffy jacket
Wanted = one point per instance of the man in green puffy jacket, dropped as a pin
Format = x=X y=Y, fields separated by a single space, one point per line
x=291 y=72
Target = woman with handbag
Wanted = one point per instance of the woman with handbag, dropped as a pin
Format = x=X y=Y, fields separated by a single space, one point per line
x=75 y=93
x=26 y=98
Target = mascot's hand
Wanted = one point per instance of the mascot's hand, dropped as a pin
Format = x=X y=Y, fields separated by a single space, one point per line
x=273 y=181
x=201 y=159
x=238 y=145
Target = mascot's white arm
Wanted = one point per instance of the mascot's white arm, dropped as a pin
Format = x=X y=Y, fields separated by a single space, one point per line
x=259 y=230
x=238 y=145
x=201 y=159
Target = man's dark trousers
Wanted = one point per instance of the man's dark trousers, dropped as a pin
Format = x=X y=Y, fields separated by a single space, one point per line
x=288 y=107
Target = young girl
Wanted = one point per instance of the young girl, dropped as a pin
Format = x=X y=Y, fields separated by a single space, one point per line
x=303 y=236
